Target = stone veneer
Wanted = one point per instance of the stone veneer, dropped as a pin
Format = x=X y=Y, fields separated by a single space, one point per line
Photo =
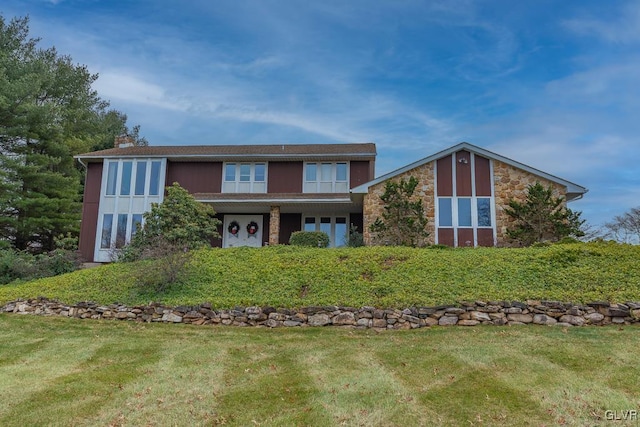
x=512 y=183
x=274 y=225
x=499 y=313
x=509 y=183
x=373 y=207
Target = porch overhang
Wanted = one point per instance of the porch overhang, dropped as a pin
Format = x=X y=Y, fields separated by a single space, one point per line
x=288 y=203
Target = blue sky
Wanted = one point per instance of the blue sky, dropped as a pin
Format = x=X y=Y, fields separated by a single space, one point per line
x=552 y=84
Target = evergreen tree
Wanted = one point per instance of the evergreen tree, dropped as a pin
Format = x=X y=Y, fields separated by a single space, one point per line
x=48 y=113
x=179 y=223
x=542 y=217
x=403 y=221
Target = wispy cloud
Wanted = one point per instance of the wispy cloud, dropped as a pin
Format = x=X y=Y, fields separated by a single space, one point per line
x=624 y=27
x=553 y=88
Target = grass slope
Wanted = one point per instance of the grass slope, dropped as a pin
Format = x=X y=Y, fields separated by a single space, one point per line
x=380 y=276
x=60 y=371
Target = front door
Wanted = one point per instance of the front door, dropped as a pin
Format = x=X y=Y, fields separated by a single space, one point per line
x=242 y=230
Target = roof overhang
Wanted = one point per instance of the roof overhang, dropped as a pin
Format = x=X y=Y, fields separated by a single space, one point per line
x=288 y=203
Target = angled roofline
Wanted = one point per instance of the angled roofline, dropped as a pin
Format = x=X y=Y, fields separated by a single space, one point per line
x=574 y=191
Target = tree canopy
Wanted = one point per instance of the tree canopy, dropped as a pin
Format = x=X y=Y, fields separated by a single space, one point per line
x=48 y=113
x=179 y=223
x=542 y=217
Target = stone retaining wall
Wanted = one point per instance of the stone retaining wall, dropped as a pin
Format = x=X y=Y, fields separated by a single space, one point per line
x=463 y=314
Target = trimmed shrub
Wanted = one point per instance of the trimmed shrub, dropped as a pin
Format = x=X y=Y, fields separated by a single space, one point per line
x=313 y=239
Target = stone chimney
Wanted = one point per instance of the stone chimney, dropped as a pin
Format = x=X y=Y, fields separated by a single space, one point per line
x=123 y=141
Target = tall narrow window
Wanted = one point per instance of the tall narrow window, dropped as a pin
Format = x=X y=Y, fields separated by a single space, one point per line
x=154 y=181
x=445 y=213
x=136 y=223
x=325 y=225
x=341 y=172
x=125 y=182
x=107 y=226
x=341 y=232
x=230 y=172
x=121 y=230
x=484 y=212
x=112 y=176
x=259 y=172
x=464 y=212
x=141 y=176
x=312 y=171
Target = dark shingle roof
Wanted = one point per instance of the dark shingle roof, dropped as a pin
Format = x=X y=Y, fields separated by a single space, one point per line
x=229 y=151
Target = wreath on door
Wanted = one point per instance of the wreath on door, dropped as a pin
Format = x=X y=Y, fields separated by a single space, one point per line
x=233 y=228
x=252 y=228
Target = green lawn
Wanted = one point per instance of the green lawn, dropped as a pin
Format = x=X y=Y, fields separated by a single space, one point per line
x=285 y=276
x=59 y=371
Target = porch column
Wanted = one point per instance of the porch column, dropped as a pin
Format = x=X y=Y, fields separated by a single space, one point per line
x=274 y=225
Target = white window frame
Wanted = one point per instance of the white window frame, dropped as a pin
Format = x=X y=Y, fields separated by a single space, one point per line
x=474 y=203
x=127 y=204
x=332 y=185
x=333 y=217
x=250 y=186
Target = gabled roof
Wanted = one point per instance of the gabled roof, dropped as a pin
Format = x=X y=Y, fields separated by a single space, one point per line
x=574 y=191
x=363 y=150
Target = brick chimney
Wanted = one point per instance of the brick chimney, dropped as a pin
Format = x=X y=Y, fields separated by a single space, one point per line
x=123 y=141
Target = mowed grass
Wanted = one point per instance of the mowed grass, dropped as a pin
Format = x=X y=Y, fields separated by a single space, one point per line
x=60 y=371
x=285 y=276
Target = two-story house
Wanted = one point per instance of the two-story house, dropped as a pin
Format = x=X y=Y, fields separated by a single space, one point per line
x=261 y=193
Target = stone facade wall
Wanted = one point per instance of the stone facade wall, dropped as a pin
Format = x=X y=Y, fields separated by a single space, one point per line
x=552 y=313
x=373 y=207
x=512 y=183
x=509 y=183
x=274 y=225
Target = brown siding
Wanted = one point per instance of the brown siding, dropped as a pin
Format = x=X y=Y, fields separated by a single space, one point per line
x=445 y=236
x=289 y=222
x=445 y=182
x=359 y=173
x=465 y=235
x=196 y=177
x=463 y=174
x=485 y=237
x=90 y=205
x=284 y=177
x=483 y=176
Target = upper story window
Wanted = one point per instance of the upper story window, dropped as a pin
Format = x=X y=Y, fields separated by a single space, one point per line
x=140 y=176
x=326 y=177
x=245 y=178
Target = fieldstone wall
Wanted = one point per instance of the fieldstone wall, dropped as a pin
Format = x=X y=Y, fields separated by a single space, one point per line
x=373 y=207
x=512 y=183
x=509 y=183
x=553 y=313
